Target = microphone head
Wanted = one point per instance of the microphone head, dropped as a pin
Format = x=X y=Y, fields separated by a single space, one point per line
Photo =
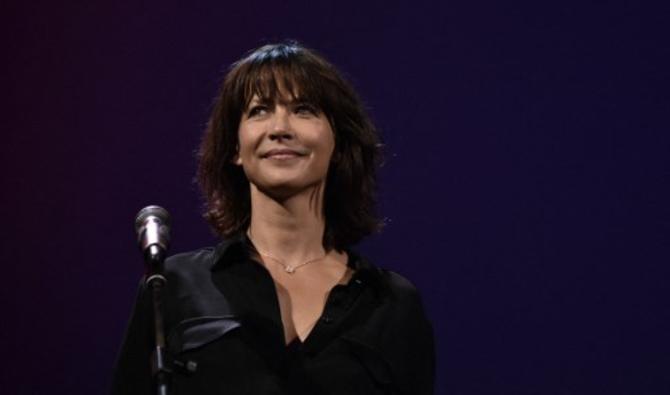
x=152 y=225
x=158 y=212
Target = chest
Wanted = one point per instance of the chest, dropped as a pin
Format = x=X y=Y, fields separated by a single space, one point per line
x=249 y=352
x=301 y=302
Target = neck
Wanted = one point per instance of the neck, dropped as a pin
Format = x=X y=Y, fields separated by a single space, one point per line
x=290 y=229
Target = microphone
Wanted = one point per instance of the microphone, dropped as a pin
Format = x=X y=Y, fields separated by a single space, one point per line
x=152 y=225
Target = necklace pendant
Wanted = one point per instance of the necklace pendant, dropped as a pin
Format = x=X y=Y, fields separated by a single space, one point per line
x=289 y=269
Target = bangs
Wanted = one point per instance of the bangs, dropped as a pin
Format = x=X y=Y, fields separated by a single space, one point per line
x=283 y=79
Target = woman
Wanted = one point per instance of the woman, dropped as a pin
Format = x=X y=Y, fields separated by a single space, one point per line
x=282 y=305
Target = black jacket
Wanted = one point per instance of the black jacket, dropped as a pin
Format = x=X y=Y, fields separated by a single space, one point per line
x=222 y=320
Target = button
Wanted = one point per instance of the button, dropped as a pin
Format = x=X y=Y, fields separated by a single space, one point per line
x=185 y=366
x=326 y=319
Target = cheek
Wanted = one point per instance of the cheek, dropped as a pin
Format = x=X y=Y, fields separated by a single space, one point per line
x=245 y=145
x=327 y=137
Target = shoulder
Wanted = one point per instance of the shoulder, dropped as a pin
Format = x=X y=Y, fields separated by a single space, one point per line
x=191 y=266
x=393 y=288
x=398 y=284
x=191 y=289
x=400 y=292
x=202 y=257
x=196 y=267
x=206 y=258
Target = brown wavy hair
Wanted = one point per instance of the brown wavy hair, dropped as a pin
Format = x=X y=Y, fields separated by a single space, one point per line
x=349 y=198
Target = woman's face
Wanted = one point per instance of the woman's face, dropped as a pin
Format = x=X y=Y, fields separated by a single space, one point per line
x=285 y=146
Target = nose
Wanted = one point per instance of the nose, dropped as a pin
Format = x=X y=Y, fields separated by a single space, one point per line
x=280 y=127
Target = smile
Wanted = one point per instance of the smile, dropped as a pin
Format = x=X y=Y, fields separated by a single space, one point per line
x=282 y=154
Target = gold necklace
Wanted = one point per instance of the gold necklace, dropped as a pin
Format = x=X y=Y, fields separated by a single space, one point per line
x=287 y=268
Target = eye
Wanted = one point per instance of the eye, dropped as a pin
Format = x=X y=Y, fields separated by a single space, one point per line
x=306 y=109
x=257 y=110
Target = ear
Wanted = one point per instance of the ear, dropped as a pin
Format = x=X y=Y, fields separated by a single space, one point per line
x=237 y=159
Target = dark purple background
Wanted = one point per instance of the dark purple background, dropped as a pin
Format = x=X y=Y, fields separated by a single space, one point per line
x=527 y=182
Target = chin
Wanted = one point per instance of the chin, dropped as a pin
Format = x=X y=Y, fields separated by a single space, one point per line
x=284 y=189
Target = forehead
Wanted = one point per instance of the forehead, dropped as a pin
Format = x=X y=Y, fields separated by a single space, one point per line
x=287 y=84
x=282 y=98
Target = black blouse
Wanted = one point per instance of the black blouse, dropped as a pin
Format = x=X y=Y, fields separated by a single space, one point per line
x=225 y=335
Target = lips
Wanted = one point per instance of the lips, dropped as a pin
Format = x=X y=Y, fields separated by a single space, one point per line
x=282 y=153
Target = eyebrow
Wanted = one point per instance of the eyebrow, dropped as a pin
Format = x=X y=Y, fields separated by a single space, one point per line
x=294 y=100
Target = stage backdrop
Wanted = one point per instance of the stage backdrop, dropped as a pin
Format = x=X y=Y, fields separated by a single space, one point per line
x=526 y=183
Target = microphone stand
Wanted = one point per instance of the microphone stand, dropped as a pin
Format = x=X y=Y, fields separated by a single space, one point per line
x=156 y=282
